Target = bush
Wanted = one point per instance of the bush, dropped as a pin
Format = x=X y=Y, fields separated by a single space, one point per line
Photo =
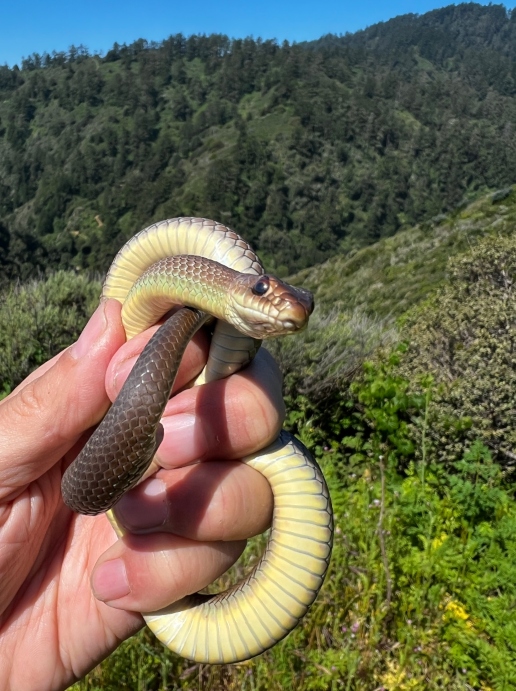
x=465 y=337
x=40 y=318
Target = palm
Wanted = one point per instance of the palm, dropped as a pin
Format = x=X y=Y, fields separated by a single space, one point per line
x=46 y=558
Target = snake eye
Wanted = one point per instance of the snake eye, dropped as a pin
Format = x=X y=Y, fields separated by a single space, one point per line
x=261 y=286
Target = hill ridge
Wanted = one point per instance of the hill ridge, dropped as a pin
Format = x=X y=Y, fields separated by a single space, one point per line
x=306 y=152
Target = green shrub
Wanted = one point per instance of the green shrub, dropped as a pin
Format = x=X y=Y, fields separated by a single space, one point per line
x=501 y=195
x=465 y=337
x=40 y=318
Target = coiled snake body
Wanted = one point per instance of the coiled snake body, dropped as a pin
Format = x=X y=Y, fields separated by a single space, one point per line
x=205 y=266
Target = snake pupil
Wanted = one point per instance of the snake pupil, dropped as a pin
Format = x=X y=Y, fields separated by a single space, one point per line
x=261 y=286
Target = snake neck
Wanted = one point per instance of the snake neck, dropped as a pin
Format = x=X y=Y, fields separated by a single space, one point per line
x=179 y=280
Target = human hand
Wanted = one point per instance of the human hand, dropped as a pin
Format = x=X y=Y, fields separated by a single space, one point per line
x=59 y=569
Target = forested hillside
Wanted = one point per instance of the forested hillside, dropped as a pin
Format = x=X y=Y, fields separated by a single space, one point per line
x=307 y=150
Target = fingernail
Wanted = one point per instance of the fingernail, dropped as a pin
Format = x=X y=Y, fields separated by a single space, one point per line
x=92 y=331
x=145 y=507
x=184 y=440
x=109 y=581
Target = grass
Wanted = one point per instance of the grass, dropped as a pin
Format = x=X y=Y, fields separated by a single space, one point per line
x=268 y=127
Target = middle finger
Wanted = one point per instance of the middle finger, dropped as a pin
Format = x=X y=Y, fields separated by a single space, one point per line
x=206 y=501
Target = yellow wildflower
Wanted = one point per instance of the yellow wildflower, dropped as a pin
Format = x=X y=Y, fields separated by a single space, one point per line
x=438 y=541
x=456 y=610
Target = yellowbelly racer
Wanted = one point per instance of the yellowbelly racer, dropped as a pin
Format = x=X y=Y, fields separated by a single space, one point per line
x=210 y=270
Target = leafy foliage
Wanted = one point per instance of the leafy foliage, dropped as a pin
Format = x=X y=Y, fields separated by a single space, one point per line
x=305 y=149
x=464 y=336
x=38 y=319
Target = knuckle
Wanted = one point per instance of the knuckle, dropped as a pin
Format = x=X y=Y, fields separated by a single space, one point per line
x=29 y=403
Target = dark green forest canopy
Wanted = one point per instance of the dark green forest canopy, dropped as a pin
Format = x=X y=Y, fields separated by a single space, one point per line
x=307 y=150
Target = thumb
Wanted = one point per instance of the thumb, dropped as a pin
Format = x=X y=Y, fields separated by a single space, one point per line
x=46 y=414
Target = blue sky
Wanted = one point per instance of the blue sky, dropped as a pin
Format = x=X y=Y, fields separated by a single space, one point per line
x=29 y=26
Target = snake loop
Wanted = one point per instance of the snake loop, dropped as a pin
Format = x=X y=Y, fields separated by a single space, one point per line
x=214 y=273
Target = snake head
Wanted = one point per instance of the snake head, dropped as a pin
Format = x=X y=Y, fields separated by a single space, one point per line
x=264 y=306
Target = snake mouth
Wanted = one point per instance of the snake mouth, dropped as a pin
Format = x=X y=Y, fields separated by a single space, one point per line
x=289 y=325
x=292 y=319
x=281 y=327
x=263 y=329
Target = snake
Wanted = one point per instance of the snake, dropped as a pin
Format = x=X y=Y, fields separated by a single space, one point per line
x=213 y=279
